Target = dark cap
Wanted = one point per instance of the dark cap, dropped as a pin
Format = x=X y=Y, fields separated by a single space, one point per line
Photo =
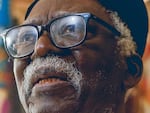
x=134 y=14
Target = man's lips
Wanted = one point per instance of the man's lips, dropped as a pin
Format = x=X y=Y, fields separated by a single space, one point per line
x=50 y=78
x=54 y=84
x=51 y=89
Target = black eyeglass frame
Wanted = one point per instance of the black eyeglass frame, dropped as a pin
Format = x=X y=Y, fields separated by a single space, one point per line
x=40 y=29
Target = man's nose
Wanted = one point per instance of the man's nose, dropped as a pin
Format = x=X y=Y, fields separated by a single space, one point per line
x=44 y=47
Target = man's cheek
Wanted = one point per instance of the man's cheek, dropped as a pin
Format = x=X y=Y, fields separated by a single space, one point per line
x=18 y=69
x=89 y=60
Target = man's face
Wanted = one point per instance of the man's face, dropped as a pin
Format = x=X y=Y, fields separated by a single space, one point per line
x=54 y=80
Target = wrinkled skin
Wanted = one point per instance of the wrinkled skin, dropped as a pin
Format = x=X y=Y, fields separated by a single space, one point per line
x=98 y=52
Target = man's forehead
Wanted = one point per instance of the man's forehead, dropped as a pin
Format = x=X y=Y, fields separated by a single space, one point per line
x=65 y=5
x=53 y=8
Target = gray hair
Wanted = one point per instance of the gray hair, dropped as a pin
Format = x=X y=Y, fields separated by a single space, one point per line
x=126 y=44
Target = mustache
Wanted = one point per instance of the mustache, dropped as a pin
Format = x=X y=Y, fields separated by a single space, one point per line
x=41 y=66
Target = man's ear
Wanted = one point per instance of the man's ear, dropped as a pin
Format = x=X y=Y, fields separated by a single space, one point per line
x=134 y=71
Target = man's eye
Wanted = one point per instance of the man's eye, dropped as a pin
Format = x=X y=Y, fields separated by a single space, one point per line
x=24 y=41
x=68 y=29
x=26 y=37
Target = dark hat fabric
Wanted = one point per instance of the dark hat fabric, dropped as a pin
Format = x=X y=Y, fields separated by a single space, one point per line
x=134 y=14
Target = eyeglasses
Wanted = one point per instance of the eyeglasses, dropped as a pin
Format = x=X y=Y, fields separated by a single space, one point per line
x=65 y=32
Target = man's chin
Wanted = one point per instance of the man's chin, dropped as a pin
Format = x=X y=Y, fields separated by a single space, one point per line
x=55 y=99
x=54 y=105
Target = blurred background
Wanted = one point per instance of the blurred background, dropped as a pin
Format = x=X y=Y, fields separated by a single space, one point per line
x=12 y=13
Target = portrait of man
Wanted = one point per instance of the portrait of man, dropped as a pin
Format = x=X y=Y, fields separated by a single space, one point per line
x=77 y=56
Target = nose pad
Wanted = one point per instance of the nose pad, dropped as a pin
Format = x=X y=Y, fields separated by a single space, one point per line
x=44 y=47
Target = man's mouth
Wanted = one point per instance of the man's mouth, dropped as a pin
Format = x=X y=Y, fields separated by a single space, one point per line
x=51 y=84
x=51 y=80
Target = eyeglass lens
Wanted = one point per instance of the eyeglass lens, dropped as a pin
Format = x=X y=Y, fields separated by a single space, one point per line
x=68 y=31
x=20 y=41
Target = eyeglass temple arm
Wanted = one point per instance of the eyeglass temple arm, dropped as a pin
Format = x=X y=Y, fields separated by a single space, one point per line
x=111 y=28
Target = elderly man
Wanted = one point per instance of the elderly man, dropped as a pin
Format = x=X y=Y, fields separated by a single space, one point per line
x=77 y=56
